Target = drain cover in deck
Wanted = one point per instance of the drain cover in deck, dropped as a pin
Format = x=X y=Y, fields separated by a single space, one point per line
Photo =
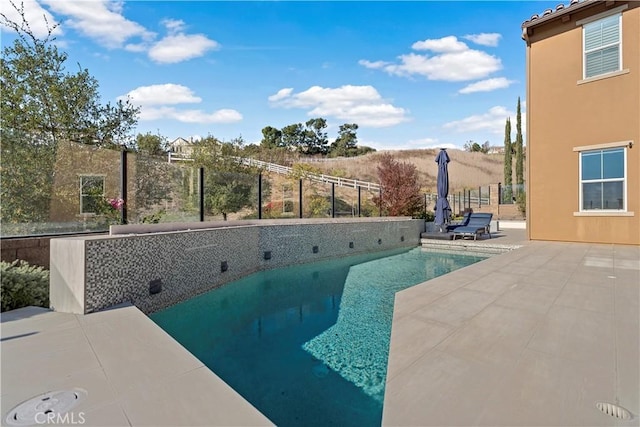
x=45 y=407
x=614 y=410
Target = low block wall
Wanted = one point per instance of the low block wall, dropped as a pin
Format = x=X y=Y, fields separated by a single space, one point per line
x=34 y=250
x=92 y=273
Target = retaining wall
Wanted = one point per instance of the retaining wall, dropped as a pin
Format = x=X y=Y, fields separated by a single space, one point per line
x=91 y=273
x=34 y=250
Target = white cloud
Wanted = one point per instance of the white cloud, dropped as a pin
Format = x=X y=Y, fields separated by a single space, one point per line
x=282 y=93
x=453 y=61
x=492 y=121
x=39 y=19
x=104 y=22
x=443 y=45
x=100 y=20
x=373 y=64
x=429 y=143
x=181 y=47
x=190 y=116
x=359 y=104
x=485 y=39
x=412 y=144
x=136 y=47
x=486 y=85
x=162 y=95
x=157 y=102
x=174 y=26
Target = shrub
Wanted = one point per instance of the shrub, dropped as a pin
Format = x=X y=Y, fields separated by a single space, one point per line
x=428 y=216
x=23 y=285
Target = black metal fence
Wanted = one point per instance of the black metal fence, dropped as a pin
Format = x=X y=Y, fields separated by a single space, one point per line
x=463 y=200
x=508 y=194
x=470 y=199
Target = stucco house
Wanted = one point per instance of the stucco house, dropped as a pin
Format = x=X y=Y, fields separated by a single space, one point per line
x=583 y=122
x=181 y=148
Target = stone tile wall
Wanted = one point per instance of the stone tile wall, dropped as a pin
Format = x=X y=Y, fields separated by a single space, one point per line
x=185 y=263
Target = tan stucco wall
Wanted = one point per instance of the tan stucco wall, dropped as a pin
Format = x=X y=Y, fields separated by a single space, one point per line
x=74 y=160
x=563 y=114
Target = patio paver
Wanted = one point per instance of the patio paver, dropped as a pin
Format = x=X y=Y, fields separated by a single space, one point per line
x=537 y=337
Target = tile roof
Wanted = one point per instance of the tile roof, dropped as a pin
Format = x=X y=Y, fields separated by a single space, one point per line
x=560 y=9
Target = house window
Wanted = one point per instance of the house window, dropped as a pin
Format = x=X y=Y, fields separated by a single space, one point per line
x=602 y=180
x=602 y=46
x=91 y=193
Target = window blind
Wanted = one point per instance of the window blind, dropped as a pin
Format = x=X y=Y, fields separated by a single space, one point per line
x=602 y=46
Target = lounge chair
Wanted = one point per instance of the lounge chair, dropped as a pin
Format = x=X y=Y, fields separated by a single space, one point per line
x=465 y=221
x=478 y=224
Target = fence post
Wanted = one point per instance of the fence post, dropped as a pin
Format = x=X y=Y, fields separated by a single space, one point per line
x=425 y=205
x=499 y=193
x=123 y=185
x=300 y=198
x=333 y=200
x=260 y=196
x=479 y=196
x=380 y=201
x=359 y=200
x=201 y=192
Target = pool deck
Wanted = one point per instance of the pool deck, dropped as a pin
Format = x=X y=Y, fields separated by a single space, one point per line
x=134 y=372
x=535 y=336
x=532 y=337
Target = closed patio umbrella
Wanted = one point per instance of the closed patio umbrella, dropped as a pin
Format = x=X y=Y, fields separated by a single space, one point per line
x=442 y=209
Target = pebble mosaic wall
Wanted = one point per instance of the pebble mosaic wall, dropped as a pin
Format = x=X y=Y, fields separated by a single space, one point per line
x=156 y=270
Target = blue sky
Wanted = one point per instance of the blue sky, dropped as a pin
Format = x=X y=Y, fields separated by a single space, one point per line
x=410 y=74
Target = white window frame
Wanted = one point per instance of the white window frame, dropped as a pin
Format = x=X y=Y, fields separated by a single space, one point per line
x=591 y=20
x=92 y=176
x=625 y=145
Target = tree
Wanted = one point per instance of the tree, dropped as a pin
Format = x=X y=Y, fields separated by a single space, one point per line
x=292 y=135
x=43 y=105
x=508 y=163
x=519 y=149
x=346 y=143
x=485 y=147
x=271 y=138
x=49 y=104
x=315 y=138
x=154 y=145
x=474 y=147
x=157 y=181
x=229 y=186
x=400 y=188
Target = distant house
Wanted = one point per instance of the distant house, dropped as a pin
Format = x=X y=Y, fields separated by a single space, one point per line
x=496 y=150
x=583 y=122
x=181 y=148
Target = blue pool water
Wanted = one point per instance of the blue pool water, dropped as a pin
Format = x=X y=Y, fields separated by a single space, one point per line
x=306 y=345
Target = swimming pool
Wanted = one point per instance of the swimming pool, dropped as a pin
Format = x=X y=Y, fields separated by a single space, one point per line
x=307 y=345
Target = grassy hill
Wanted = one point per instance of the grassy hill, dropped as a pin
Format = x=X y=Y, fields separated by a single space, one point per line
x=466 y=170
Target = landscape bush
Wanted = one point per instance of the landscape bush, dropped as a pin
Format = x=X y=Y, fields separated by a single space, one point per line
x=23 y=285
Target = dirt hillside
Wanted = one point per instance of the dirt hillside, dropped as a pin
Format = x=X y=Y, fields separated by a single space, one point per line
x=466 y=170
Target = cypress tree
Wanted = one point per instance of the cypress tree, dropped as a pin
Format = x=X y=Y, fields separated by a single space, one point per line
x=508 y=164
x=519 y=148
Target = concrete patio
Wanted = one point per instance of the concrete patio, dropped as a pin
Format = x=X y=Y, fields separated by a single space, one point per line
x=535 y=336
x=134 y=373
